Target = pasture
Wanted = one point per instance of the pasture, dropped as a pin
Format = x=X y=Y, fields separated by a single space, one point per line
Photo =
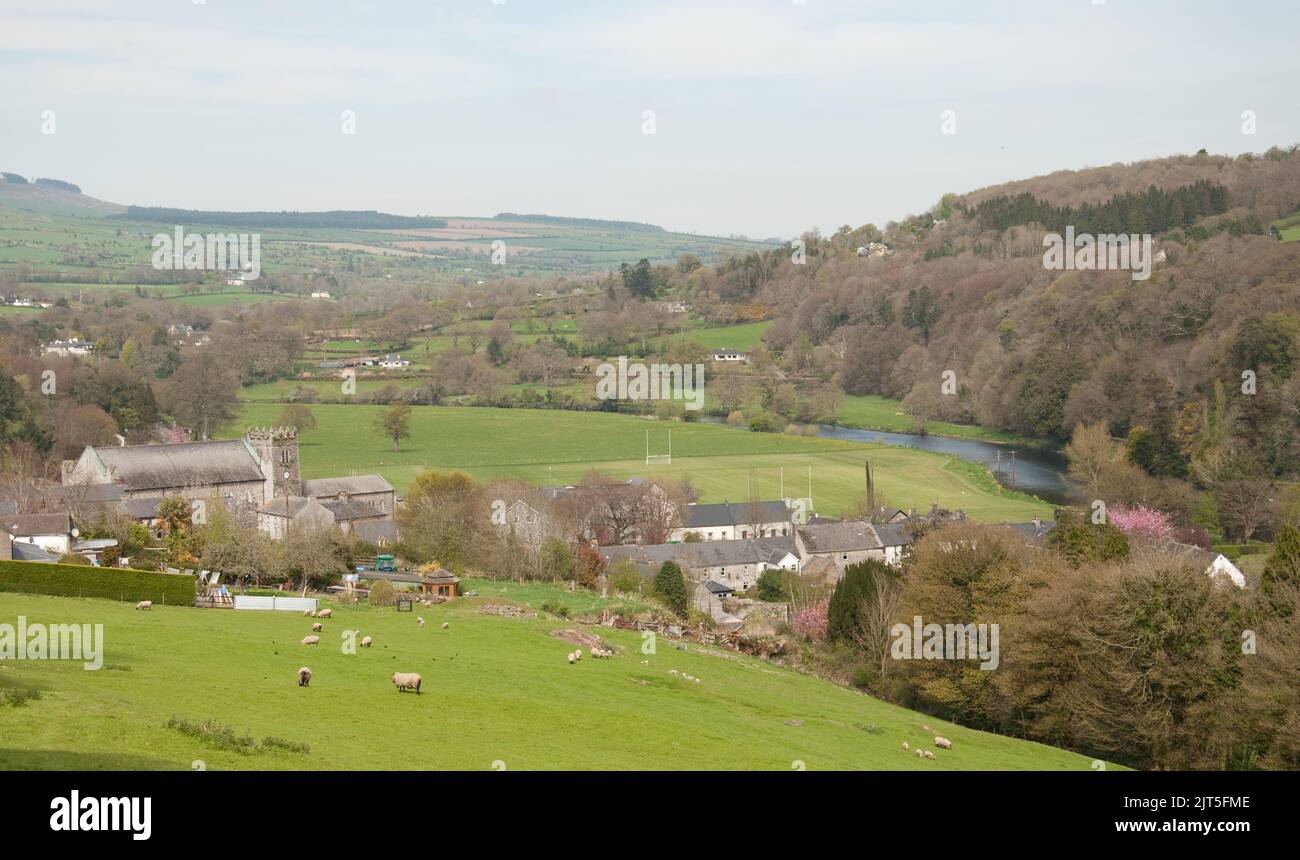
x=559 y=447
x=496 y=692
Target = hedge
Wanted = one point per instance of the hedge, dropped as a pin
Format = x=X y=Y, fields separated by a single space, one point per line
x=72 y=580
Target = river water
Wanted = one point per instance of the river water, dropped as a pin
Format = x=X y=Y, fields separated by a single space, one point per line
x=1035 y=470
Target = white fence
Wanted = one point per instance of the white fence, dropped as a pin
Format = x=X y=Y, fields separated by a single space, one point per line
x=281 y=604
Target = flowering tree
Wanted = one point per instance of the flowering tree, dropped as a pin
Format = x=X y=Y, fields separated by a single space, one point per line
x=811 y=622
x=1140 y=521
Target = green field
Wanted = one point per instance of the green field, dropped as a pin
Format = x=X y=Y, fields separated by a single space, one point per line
x=495 y=690
x=873 y=412
x=559 y=447
x=743 y=336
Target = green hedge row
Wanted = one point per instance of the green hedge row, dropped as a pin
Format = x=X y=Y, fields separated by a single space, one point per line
x=72 y=580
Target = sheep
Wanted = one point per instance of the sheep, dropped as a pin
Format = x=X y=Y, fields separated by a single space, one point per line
x=144 y=604
x=905 y=746
x=928 y=754
x=578 y=654
x=943 y=743
x=920 y=753
x=445 y=625
x=309 y=613
x=571 y=658
x=325 y=613
x=317 y=627
x=311 y=640
x=404 y=681
x=366 y=642
x=419 y=622
x=304 y=677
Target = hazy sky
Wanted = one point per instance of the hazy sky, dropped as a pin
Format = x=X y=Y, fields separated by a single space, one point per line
x=770 y=116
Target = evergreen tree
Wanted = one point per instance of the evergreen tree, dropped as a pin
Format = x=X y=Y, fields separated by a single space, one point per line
x=858 y=584
x=671 y=586
x=1283 y=567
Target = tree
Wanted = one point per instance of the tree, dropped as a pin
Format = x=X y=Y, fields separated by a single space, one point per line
x=670 y=585
x=444 y=518
x=590 y=565
x=202 y=393
x=395 y=422
x=1090 y=451
x=556 y=560
x=1282 y=571
x=771 y=586
x=312 y=557
x=638 y=279
x=857 y=585
x=299 y=416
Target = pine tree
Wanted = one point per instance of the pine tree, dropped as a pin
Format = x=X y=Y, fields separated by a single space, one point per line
x=858 y=584
x=1283 y=567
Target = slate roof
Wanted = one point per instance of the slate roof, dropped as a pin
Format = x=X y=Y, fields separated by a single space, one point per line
x=28 y=525
x=352 y=510
x=31 y=552
x=839 y=537
x=371 y=531
x=183 y=464
x=718 y=553
x=354 y=484
x=716 y=587
x=286 y=506
x=735 y=514
x=891 y=534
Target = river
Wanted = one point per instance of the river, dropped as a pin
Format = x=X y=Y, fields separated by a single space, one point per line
x=1035 y=470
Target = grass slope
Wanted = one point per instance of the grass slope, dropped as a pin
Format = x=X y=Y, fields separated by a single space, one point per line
x=553 y=446
x=495 y=689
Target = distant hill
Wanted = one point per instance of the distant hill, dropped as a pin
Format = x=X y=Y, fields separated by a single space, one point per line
x=51 y=197
x=579 y=222
x=340 y=219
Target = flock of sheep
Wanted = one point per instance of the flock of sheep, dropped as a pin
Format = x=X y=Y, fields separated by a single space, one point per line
x=403 y=681
x=941 y=743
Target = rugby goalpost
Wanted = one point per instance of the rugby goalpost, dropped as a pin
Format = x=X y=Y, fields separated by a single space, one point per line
x=652 y=459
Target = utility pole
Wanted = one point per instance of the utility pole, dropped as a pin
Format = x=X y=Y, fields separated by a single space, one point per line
x=1013 y=470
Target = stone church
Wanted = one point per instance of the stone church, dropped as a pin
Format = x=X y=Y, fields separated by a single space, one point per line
x=256 y=475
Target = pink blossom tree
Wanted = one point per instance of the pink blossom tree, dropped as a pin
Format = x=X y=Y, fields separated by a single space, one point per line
x=1140 y=520
x=811 y=622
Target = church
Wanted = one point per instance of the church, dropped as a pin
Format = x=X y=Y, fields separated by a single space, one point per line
x=257 y=475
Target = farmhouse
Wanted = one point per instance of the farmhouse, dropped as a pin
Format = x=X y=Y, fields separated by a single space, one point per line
x=394 y=361
x=50 y=532
x=736 y=563
x=732 y=356
x=735 y=521
x=842 y=544
x=67 y=348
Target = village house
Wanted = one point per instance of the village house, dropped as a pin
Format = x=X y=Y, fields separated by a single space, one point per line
x=49 y=532
x=393 y=361
x=68 y=348
x=735 y=563
x=732 y=356
x=734 y=521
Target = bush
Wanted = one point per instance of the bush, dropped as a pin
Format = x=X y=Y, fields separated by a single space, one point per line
x=862 y=677
x=382 y=593
x=624 y=578
x=66 y=580
x=771 y=586
x=671 y=586
x=73 y=558
x=559 y=610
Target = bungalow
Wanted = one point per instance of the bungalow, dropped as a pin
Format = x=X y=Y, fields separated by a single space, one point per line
x=729 y=355
x=50 y=532
x=394 y=361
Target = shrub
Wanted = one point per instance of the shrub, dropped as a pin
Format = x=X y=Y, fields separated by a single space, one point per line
x=811 y=622
x=557 y=609
x=382 y=593
x=771 y=586
x=624 y=577
x=67 y=580
x=671 y=586
x=73 y=558
x=862 y=677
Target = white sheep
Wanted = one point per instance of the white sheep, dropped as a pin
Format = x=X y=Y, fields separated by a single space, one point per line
x=317 y=627
x=920 y=753
x=325 y=613
x=445 y=625
x=309 y=613
x=366 y=642
x=905 y=746
x=943 y=743
x=404 y=681
x=144 y=604
x=578 y=654
x=304 y=677
x=311 y=640
x=929 y=754
x=571 y=658
x=419 y=621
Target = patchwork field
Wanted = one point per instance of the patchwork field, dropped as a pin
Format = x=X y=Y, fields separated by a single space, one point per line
x=553 y=446
x=497 y=693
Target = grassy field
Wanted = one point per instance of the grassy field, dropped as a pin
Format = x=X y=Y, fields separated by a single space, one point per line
x=873 y=412
x=553 y=446
x=495 y=690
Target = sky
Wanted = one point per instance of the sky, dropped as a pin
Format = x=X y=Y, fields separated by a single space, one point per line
x=762 y=117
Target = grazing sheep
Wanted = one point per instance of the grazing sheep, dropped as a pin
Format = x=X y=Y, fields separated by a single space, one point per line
x=571 y=658
x=943 y=743
x=309 y=613
x=144 y=604
x=304 y=677
x=920 y=753
x=672 y=671
x=905 y=746
x=578 y=654
x=366 y=642
x=445 y=625
x=928 y=754
x=419 y=621
x=404 y=681
x=311 y=640
x=317 y=627
x=325 y=613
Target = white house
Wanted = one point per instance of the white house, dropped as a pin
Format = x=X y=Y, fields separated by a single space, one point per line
x=320 y=294
x=733 y=356
x=50 y=532
x=734 y=521
x=65 y=348
x=393 y=361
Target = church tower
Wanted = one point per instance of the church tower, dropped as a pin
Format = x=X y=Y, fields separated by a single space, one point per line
x=277 y=452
